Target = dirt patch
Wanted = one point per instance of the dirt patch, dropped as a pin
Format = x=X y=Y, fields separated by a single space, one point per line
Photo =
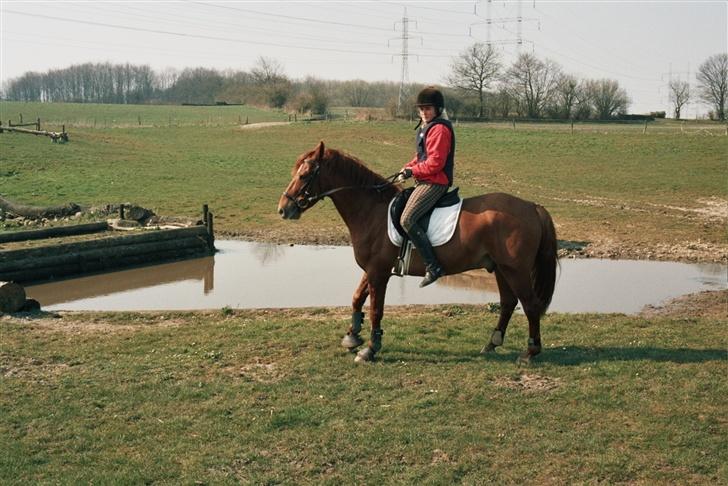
x=253 y=126
x=31 y=368
x=258 y=370
x=528 y=382
x=712 y=304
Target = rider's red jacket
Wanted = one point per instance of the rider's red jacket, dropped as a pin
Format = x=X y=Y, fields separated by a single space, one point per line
x=437 y=145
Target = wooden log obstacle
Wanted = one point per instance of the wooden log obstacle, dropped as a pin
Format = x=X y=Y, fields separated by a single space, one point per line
x=61 y=136
x=57 y=258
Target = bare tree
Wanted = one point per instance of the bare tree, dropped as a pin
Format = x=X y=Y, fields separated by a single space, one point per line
x=608 y=99
x=475 y=69
x=713 y=83
x=532 y=83
x=566 y=95
x=679 y=95
x=267 y=71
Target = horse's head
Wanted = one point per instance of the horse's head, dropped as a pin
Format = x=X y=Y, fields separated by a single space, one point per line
x=300 y=195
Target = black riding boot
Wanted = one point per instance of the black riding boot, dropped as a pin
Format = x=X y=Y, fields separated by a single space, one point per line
x=422 y=243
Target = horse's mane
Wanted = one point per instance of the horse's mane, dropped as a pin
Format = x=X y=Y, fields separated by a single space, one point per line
x=353 y=170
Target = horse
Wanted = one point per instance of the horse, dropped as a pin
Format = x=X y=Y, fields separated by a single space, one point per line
x=518 y=235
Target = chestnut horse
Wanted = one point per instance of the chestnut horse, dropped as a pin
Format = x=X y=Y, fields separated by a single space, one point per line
x=518 y=235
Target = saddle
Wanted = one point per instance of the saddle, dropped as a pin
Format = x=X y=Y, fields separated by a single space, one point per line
x=439 y=227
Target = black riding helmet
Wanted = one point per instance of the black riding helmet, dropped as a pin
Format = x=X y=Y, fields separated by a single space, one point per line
x=431 y=96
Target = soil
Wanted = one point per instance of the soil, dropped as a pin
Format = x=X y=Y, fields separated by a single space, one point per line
x=711 y=304
x=688 y=251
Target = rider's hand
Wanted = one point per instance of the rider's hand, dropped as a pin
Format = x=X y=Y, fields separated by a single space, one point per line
x=403 y=175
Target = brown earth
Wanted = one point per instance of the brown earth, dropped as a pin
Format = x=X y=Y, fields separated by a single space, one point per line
x=711 y=304
x=688 y=251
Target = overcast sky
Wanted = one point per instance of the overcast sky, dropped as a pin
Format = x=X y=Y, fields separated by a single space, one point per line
x=639 y=44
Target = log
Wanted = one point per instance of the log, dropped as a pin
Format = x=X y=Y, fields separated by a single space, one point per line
x=38 y=212
x=146 y=237
x=12 y=297
x=57 y=231
x=54 y=135
x=112 y=254
x=85 y=267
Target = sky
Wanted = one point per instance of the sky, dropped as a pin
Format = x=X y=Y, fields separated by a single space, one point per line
x=642 y=45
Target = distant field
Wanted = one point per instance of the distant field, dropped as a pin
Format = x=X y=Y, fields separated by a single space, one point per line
x=606 y=181
x=91 y=115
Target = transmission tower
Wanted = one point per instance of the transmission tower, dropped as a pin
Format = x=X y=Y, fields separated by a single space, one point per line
x=404 y=54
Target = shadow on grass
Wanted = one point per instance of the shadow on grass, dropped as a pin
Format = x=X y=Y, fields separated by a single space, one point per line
x=566 y=356
x=575 y=355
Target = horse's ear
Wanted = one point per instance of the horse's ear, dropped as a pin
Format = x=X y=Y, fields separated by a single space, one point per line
x=320 y=150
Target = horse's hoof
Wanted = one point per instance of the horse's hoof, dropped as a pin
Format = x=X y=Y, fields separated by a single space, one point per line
x=366 y=355
x=488 y=348
x=496 y=339
x=352 y=341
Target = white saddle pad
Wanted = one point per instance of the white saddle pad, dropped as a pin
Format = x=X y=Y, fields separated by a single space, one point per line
x=442 y=225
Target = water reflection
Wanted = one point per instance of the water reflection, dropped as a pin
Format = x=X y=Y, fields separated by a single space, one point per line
x=253 y=275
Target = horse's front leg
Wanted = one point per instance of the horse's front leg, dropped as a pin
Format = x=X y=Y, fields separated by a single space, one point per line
x=377 y=291
x=352 y=340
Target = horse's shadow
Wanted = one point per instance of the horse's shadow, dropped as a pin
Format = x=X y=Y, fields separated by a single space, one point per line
x=566 y=355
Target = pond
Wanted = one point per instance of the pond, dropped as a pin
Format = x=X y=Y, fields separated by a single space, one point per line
x=259 y=275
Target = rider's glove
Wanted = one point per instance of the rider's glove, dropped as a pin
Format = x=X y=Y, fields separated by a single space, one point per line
x=403 y=176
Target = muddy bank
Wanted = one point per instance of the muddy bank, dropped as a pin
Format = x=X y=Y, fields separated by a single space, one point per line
x=712 y=304
x=689 y=251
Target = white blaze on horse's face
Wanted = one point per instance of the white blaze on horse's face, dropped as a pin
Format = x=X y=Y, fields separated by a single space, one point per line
x=295 y=198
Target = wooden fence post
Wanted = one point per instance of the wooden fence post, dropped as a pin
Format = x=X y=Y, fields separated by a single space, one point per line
x=514 y=123
x=644 y=130
x=37 y=124
x=572 y=127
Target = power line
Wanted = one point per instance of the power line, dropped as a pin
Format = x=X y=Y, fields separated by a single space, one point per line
x=194 y=36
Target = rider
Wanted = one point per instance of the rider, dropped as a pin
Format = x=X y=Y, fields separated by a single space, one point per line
x=432 y=168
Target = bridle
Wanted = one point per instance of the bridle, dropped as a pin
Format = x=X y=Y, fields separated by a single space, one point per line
x=304 y=199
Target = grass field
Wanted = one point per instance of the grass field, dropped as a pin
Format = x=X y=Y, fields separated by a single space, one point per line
x=269 y=397
x=608 y=182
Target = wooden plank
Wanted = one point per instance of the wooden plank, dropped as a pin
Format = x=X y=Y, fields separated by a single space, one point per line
x=104 y=254
x=118 y=241
x=54 y=232
x=101 y=265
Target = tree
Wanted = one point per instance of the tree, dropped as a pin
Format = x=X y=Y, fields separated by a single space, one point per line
x=679 y=94
x=713 y=83
x=268 y=75
x=608 y=99
x=475 y=69
x=532 y=83
x=565 y=98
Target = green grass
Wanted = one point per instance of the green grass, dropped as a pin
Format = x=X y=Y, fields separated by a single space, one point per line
x=268 y=397
x=101 y=116
x=613 y=182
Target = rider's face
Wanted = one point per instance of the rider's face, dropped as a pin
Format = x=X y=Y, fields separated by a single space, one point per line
x=427 y=113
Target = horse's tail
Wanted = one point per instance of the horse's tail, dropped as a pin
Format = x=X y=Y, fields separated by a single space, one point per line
x=543 y=274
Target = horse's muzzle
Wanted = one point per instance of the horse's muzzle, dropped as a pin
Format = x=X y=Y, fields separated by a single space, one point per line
x=289 y=211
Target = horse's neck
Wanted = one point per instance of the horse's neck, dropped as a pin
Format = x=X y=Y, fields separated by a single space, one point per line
x=361 y=210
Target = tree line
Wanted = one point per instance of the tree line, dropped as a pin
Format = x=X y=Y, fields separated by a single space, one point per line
x=478 y=85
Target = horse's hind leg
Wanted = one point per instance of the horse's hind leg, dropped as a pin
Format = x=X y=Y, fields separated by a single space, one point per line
x=508 y=303
x=520 y=282
x=352 y=340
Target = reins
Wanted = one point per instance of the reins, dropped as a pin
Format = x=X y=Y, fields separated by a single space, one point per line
x=376 y=187
x=303 y=199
